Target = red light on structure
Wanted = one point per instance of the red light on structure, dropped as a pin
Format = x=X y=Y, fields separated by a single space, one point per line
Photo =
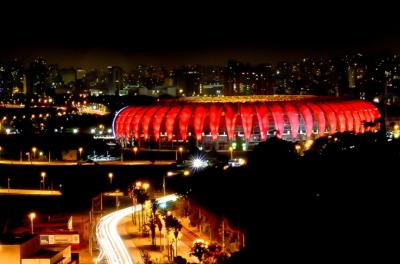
x=286 y=115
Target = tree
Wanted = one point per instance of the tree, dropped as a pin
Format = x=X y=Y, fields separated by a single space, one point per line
x=153 y=221
x=159 y=224
x=141 y=197
x=173 y=227
x=209 y=253
x=199 y=248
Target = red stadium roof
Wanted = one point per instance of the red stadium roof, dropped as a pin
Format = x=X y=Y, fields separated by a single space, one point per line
x=288 y=116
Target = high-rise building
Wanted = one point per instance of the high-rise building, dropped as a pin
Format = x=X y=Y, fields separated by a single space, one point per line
x=188 y=80
x=115 y=74
x=3 y=81
x=231 y=77
x=68 y=75
x=351 y=75
x=38 y=77
x=80 y=74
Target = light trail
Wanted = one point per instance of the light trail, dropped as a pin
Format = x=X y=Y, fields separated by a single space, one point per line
x=111 y=245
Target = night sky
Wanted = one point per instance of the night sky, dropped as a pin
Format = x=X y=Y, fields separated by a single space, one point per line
x=126 y=34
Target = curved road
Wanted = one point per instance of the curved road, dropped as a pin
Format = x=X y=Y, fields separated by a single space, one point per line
x=111 y=245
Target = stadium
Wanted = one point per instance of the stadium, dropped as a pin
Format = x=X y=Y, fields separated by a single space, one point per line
x=251 y=119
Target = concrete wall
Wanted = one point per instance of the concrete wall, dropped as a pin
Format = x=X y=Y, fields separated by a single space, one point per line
x=10 y=254
x=30 y=247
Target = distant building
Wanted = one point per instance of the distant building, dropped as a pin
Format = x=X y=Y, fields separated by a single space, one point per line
x=68 y=75
x=115 y=73
x=24 y=85
x=139 y=89
x=215 y=89
x=188 y=80
x=130 y=90
x=39 y=77
x=352 y=77
x=80 y=74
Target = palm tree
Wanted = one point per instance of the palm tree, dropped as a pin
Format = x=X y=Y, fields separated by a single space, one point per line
x=171 y=223
x=141 y=197
x=159 y=224
x=152 y=225
x=153 y=221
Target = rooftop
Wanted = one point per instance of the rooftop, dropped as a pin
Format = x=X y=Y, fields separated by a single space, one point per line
x=245 y=99
x=44 y=254
x=15 y=239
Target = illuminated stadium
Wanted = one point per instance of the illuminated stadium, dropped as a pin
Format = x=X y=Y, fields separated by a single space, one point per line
x=210 y=120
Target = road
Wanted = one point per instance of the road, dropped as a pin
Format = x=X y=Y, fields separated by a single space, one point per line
x=74 y=163
x=112 y=248
x=29 y=192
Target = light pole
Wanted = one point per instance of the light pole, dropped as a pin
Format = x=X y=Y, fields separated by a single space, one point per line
x=8 y=183
x=34 y=152
x=32 y=216
x=0 y=150
x=231 y=150
x=116 y=199
x=110 y=176
x=181 y=150
x=169 y=174
x=80 y=152
x=135 y=149
x=43 y=175
x=163 y=184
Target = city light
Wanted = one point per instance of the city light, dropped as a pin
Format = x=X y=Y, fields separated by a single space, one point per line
x=198 y=163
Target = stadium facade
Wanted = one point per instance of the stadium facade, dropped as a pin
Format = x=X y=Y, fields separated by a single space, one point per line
x=248 y=118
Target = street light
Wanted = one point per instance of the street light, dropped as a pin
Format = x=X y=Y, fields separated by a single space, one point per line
x=298 y=148
x=34 y=151
x=80 y=152
x=135 y=149
x=110 y=176
x=32 y=216
x=43 y=175
x=181 y=150
x=231 y=150
x=146 y=186
x=169 y=174
x=139 y=184
x=163 y=183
